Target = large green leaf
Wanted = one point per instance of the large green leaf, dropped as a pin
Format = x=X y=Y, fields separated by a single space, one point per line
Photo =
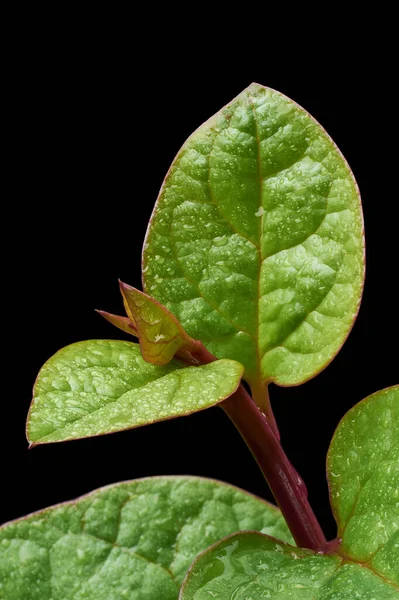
x=363 y=469
x=256 y=240
x=363 y=472
x=100 y=386
x=133 y=540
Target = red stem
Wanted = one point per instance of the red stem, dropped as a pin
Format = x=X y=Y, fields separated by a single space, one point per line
x=285 y=483
x=259 y=430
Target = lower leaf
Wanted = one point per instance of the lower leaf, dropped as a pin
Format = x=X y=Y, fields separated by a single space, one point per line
x=363 y=474
x=132 y=540
x=253 y=566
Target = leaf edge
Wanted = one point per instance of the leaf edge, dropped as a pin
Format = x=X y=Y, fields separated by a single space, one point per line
x=32 y=444
x=360 y=206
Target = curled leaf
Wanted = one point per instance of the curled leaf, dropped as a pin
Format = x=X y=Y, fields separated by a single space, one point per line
x=160 y=334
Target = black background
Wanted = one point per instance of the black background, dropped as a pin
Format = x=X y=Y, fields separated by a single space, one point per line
x=98 y=121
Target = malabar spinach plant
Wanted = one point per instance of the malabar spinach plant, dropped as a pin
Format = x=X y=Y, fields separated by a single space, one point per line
x=253 y=269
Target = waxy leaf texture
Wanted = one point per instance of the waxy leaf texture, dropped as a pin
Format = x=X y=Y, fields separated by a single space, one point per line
x=363 y=471
x=132 y=540
x=101 y=386
x=252 y=566
x=256 y=241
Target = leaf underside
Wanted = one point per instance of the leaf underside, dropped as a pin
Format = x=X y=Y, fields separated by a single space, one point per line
x=132 y=540
x=256 y=241
x=363 y=471
x=101 y=386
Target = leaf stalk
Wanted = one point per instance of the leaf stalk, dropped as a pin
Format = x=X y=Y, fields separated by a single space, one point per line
x=260 y=395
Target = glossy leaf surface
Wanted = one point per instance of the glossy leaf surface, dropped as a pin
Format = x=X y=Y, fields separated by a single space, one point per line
x=256 y=241
x=363 y=470
x=251 y=566
x=100 y=386
x=161 y=335
x=132 y=540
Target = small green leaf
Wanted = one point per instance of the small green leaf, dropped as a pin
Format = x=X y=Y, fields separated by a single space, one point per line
x=160 y=334
x=256 y=241
x=363 y=473
x=250 y=566
x=100 y=386
x=123 y=323
x=132 y=540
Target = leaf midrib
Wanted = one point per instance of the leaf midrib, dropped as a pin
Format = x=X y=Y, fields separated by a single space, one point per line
x=259 y=247
x=347 y=560
x=261 y=181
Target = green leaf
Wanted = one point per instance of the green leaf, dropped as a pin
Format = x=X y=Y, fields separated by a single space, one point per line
x=132 y=540
x=363 y=470
x=100 y=386
x=250 y=566
x=256 y=240
x=160 y=333
x=363 y=473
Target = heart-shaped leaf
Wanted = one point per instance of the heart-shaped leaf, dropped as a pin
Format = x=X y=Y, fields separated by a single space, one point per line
x=160 y=333
x=363 y=470
x=100 y=386
x=256 y=240
x=132 y=540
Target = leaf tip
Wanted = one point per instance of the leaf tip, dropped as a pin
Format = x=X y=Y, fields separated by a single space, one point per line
x=254 y=85
x=124 y=286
